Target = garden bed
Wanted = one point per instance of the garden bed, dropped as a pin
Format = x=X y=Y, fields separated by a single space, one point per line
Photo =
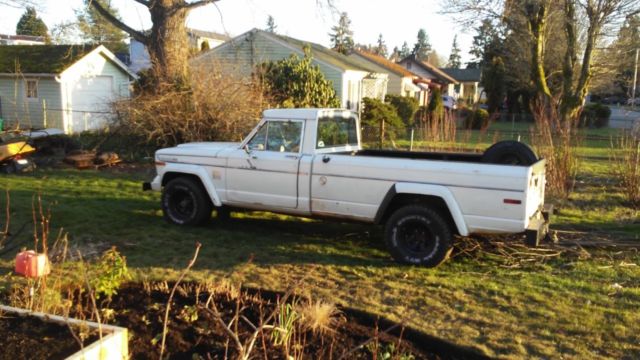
x=32 y=335
x=194 y=332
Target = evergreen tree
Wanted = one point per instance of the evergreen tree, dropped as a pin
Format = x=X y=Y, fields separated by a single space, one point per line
x=342 y=36
x=31 y=24
x=454 y=58
x=94 y=28
x=271 y=24
x=422 y=48
x=381 y=47
x=405 y=51
x=395 y=55
x=485 y=36
x=298 y=83
x=624 y=52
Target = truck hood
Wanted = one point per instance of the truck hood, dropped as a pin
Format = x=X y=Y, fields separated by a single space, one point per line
x=198 y=149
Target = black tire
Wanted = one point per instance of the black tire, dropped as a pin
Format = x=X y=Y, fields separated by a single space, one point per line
x=509 y=152
x=185 y=202
x=419 y=235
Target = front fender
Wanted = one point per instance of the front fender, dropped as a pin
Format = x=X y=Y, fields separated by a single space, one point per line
x=195 y=170
x=439 y=191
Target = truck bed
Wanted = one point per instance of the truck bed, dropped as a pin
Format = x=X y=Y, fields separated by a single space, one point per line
x=422 y=155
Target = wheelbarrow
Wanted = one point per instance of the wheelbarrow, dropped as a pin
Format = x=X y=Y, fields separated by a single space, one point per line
x=14 y=154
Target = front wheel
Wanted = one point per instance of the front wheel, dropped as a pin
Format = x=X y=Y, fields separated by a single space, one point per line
x=418 y=235
x=185 y=202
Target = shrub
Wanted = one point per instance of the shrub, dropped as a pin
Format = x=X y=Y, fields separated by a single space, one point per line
x=374 y=114
x=297 y=83
x=216 y=107
x=476 y=119
x=595 y=115
x=406 y=107
x=625 y=155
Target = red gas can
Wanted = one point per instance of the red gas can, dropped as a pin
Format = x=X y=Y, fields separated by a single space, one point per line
x=31 y=264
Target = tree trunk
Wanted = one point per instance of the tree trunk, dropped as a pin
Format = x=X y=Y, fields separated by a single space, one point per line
x=537 y=21
x=168 y=44
x=568 y=109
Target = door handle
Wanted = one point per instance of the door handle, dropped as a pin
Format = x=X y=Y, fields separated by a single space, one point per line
x=294 y=157
x=326 y=159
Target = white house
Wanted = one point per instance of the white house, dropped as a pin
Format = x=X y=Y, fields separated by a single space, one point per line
x=352 y=79
x=68 y=87
x=468 y=87
x=401 y=81
x=21 y=40
x=139 y=56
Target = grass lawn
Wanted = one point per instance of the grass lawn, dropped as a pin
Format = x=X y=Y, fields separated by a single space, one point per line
x=578 y=305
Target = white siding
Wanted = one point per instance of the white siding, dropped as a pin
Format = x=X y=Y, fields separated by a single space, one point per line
x=18 y=110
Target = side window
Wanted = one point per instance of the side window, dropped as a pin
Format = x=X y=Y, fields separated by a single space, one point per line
x=336 y=132
x=280 y=136
x=31 y=88
x=284 y=136
x=259 y=139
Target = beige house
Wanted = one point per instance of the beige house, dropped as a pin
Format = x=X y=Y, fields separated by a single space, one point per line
x=401 y=81
x=352 y=79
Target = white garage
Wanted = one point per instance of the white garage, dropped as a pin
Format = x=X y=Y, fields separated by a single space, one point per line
x=69 y=87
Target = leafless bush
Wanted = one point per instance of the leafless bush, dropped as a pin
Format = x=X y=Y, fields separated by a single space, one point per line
x=625 y=156
x=437 y=127
x=216 y=107
x=557 y=143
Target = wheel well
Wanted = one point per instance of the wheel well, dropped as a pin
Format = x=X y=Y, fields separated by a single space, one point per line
x=174 y=175
x=435 y=202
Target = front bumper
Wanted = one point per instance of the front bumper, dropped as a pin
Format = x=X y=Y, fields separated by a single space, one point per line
x=538 y=228
x=155 y=185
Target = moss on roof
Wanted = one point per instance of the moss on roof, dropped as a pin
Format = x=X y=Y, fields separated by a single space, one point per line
x=324 y=54
x=40 y=59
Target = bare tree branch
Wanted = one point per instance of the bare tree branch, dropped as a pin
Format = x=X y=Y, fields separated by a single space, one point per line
x=138 y=35
x=197 y=4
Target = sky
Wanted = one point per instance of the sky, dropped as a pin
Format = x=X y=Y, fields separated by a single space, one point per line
x=397 y=21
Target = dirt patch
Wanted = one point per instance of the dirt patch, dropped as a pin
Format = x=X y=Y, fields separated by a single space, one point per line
x=28 y=337
x=194 y=331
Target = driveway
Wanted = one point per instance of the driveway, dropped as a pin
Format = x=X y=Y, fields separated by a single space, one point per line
x=622 y=118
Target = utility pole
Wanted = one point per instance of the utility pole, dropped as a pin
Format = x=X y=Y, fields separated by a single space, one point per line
x=635 y=81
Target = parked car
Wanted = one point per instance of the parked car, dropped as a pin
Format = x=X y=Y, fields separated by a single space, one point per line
x=633 y=101
x=449 y=102
x=310 y=162
x=614 y=100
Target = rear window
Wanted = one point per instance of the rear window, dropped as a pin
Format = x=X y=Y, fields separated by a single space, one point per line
x=337 y=132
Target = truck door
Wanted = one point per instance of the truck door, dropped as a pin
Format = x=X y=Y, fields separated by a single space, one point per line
x=265 y=174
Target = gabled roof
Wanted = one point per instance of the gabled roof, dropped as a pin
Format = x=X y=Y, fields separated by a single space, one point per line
x=40 y=59
x=383 y=62
x=318 y=52
x=463 y=75
x=208 y=34
x=49 y=59
x=322 y=53
x=430 y=68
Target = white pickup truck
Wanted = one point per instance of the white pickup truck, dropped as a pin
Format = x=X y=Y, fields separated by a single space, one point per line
x=310 y=162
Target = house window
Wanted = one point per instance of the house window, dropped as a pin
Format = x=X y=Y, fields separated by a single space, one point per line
x=31 y=88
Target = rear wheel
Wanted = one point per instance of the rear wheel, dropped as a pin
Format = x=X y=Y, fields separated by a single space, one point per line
x=419 y=235
x=185 y=202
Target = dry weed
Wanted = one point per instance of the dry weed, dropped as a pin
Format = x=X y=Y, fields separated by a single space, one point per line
x=625 y=156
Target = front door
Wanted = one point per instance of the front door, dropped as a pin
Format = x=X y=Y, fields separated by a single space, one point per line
x=265 y=174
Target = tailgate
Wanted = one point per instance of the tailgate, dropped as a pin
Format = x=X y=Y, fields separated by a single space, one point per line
x=535 y=188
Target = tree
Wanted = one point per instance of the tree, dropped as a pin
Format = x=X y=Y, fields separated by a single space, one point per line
x=494 y=83
x=166 y=41
x=435 y=59
x=455 y=60
x=422 y=48
x=271 y=24
x=381 y=47
x=341 y=35
x=395 y=54
x=31 y=24
x=295 y=82
x=623 y=54
x=405 y=50
x=96 y=29
x=486 y=34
